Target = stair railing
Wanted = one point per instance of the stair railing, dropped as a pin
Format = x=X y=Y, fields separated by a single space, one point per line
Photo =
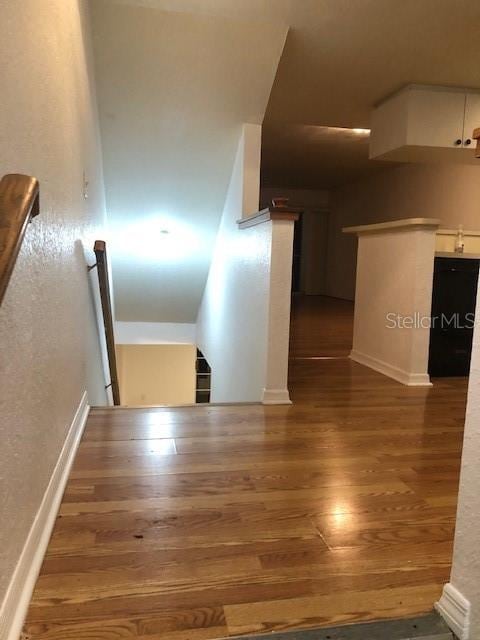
x=100 y=249
x=19 y=203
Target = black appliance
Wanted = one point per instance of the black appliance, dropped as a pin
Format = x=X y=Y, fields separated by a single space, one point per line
x=453 y=311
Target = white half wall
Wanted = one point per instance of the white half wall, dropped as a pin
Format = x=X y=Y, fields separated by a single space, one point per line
x=393 y=299
x=155 y=333
x=242 y=325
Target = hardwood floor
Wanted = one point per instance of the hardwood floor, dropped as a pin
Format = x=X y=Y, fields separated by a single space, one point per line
x=321 y=327
x=204 y=522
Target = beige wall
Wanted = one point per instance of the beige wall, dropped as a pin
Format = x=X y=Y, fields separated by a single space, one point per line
x=157 y=374
x=448 y=192
x=48 y=339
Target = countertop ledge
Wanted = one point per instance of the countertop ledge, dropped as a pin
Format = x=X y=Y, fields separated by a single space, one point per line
x=394 y=225
x=455 y=255
x=453 y=232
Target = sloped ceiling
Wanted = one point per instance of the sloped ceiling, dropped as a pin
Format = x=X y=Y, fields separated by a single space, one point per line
x=173 y=91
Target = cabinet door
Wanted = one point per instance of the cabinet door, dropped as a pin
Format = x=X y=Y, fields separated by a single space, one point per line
x=472 y=117
x=436 y=118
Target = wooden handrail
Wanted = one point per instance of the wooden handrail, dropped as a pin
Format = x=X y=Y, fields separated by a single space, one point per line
x=100 y=249
x=19 y=203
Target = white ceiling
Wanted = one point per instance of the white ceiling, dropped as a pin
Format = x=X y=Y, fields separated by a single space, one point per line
x=173 y=91
x=340 y=58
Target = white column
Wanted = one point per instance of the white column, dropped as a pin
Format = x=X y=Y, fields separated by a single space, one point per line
x=276 y=384
x=393 y=298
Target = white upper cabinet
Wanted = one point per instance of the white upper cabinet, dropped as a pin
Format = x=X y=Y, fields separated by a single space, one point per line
x=426 y=124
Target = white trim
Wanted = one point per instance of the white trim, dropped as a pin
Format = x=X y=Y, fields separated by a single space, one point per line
x=276 y=396
x=390 y=370
x=455 y=610
x=17 y=599
x=454 y=254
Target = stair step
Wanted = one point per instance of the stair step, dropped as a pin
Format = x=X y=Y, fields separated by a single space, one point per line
x=206 y=405
x=427 y=627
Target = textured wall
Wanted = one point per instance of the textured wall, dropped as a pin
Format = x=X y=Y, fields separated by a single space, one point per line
x=448 y=192
x=48 y=338
x=466 y=558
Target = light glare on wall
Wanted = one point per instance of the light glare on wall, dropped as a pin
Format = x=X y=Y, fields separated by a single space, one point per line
x=156 y=239
x=361 y=132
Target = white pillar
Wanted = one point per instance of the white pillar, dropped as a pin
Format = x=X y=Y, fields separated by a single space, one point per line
x=276 y=379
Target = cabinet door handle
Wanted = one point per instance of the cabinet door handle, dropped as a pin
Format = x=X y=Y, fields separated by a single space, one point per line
x=458 y=142
x=468 y=141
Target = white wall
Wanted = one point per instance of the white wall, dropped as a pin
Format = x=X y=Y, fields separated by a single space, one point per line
x=235 y=316
x=154 y=333
x=157 y=374
x=48 y=337
x=463 y=591
x=448 y=192
x=394 y=278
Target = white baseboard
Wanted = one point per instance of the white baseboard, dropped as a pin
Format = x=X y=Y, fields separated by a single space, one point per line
x=17 y=599
x=276 y=396
x=409 y=379
x=455 y=610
